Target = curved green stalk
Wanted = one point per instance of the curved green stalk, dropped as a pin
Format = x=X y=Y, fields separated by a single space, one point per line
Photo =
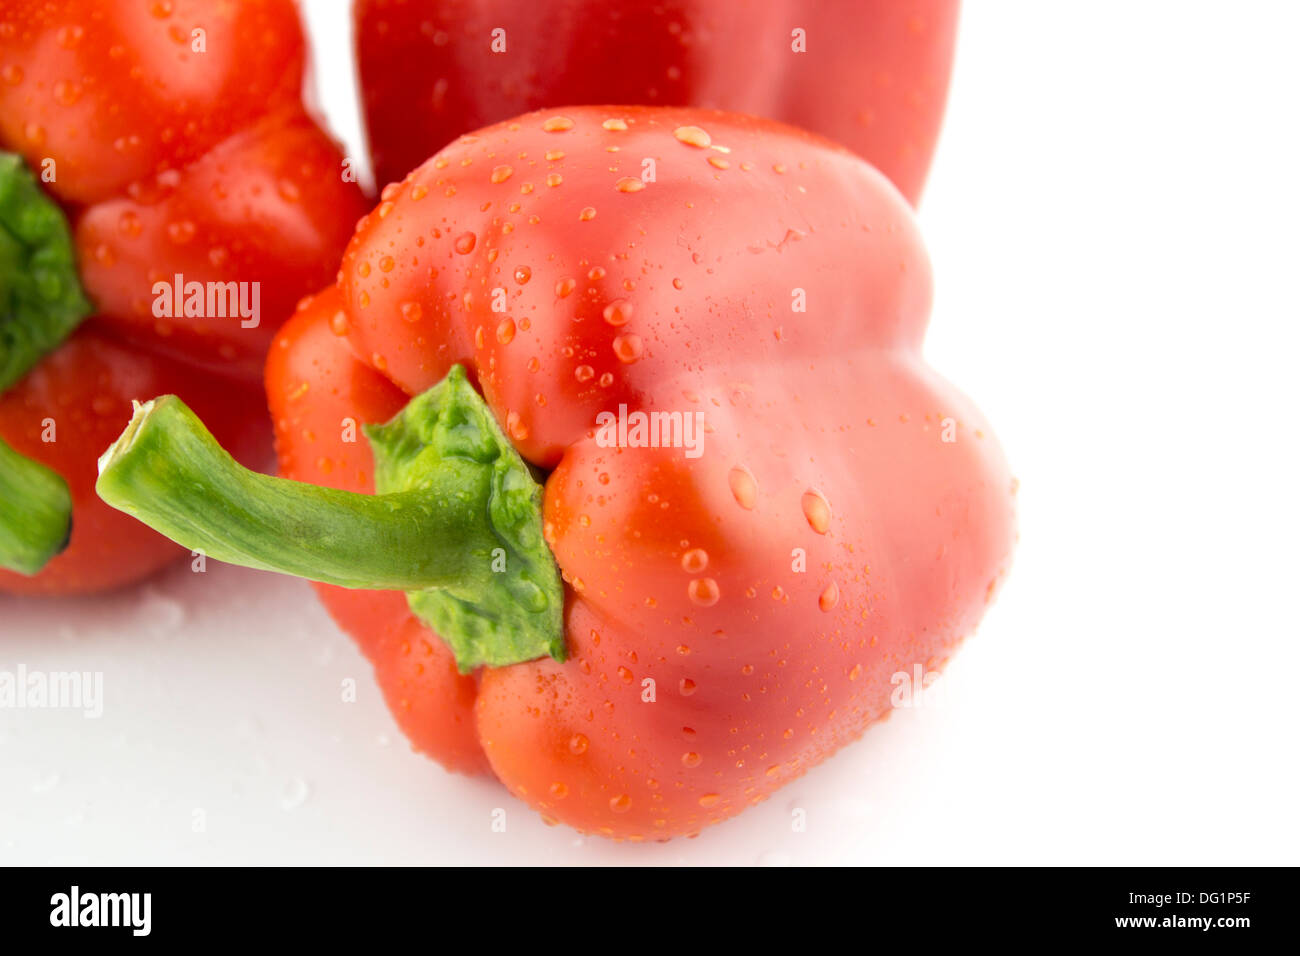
x=456 y=523
x=35 y=512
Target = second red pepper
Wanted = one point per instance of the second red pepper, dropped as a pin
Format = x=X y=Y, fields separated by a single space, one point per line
x=871 y=74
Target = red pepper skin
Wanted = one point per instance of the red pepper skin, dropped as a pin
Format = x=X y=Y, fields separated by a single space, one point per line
x=827 y=439
x=874 y=77
x=167 y=161
x=267 y=206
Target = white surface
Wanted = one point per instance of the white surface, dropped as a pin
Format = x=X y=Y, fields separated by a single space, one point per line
x=1113 y=218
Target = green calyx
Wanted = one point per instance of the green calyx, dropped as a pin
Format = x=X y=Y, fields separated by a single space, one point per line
x=456 y=522
x=41 y=299
x=508 y=605
x=35 y=513
x=41 y=302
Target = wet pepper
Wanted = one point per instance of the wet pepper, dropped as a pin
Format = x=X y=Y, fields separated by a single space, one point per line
x=733 y=611
x=143 y=142
x=872 y=74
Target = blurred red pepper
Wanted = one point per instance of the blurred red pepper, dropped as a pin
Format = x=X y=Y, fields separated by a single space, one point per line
x=173 y=137
x=871 y=74
x=736 y=605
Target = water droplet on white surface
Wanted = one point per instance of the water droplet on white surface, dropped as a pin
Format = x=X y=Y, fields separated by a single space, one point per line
x=295 y=794
x=159 y=614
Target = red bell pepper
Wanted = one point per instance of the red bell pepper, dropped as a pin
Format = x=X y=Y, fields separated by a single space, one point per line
x=172 y=137
x=737 y=599
x=871 y=74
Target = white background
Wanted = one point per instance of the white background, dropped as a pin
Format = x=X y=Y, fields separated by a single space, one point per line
x=1115 y=224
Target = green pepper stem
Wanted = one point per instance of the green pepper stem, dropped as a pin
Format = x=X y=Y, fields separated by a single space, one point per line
x=168 y=471
x=456 y=524
x=35 y=512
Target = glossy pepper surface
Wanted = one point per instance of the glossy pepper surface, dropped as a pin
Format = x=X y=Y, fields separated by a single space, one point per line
x=872 y=74
x=734 y=608
x=173 y=138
